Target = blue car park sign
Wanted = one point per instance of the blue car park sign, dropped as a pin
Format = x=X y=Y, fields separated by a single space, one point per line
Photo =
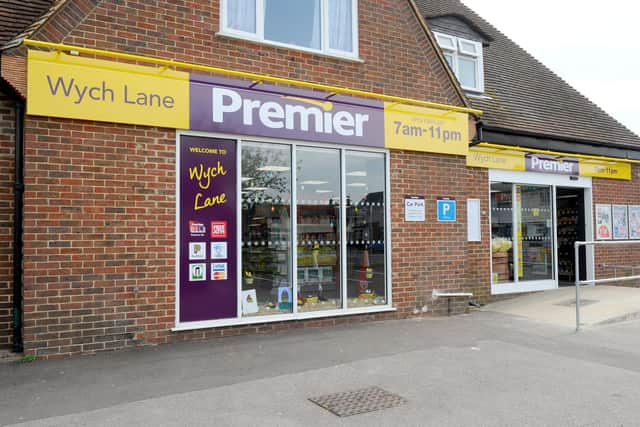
x=446 y=209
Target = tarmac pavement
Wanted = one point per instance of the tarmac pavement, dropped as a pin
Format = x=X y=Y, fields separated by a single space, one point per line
x=482 y=369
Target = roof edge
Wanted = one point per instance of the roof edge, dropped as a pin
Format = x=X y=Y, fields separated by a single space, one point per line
x=35 y=26
x=452 y=78
x=7 y=87
x=550 y=142
x=466 y=20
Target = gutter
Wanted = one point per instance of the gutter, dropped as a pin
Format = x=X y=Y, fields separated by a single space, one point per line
x=554 y=143
x=18 y=192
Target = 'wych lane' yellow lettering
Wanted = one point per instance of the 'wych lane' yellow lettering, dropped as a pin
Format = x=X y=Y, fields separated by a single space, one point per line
x=203 y=175
x=203 y=202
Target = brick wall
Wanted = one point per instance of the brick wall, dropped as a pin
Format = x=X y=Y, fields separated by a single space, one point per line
x=100 y=223
x=431 y=255
x=7 y=176
x=609 y=191
x=100 y=198
x=398 y=58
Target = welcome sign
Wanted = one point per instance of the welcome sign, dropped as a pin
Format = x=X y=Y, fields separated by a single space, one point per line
x=62 y=85
x=207 y=233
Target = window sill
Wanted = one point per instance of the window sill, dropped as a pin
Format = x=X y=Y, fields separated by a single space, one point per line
x=477 y=95
x=189 y=326
x=292 y=47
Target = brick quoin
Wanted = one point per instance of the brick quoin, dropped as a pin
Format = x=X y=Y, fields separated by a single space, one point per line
x=100 y=217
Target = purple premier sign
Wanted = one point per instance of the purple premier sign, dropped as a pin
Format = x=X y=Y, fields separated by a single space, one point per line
x=550 y=164
x=207 y=234
x=219 y=105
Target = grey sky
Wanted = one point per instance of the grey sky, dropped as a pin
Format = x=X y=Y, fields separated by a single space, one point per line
x=595 y=47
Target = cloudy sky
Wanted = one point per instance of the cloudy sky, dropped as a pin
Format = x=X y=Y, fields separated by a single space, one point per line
x=596 y=48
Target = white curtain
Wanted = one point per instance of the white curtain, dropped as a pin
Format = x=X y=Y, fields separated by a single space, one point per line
x=241 y=15
x=340 y=22
x=315 y=35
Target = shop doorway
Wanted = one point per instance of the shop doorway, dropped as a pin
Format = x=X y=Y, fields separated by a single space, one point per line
x=571 y=227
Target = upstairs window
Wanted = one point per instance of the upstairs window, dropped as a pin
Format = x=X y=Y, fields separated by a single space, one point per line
x=465 y=59
x=322 y=26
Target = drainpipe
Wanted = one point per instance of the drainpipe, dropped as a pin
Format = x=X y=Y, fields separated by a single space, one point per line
x=18 y=191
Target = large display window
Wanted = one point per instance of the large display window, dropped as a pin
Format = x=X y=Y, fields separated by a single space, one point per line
x=266 y=229
x=318 y=226
x=312 y=230
x=366 y=254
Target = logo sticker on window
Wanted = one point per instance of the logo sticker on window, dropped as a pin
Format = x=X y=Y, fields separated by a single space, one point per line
x=219 y=271
x=218 y=229
x=197 y=272
x=197 y=228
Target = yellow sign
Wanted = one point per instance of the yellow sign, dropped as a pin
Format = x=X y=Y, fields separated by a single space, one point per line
x=61 y=85
x=603 y=169
x=493 y=158
x=414 y=128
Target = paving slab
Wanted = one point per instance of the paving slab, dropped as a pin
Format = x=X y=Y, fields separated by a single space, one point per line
x=599 y=305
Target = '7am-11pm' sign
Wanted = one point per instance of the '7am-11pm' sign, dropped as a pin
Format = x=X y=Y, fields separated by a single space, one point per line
x=62 y=85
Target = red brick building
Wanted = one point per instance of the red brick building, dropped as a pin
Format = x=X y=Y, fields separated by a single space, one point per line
x=563 y=167
x=100 y=202
x=202 y=169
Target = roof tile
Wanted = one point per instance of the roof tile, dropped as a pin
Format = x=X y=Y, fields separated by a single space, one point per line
x=16 y=15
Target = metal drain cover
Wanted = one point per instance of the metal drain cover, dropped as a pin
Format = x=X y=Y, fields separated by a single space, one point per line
x=358 y=401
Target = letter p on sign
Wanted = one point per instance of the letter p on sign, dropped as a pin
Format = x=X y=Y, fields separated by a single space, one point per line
x=446 y=210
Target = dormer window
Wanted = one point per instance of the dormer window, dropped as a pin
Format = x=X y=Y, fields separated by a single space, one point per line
x=465 y=59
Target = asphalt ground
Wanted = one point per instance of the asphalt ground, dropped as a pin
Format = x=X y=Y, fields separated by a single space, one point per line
x=482 y=369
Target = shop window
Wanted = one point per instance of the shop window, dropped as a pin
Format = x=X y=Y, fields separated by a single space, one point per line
x=366 y=244
x=521 y=233
x=325 y=26
x=465 y=59
x=266 y=229
x=318 y=223
x=334 y=201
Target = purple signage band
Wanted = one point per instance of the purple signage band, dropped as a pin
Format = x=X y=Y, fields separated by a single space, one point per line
x=550 y=164
x=223 y=105
x=207 y=235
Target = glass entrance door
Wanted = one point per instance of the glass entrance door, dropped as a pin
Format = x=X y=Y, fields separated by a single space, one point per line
x=534 y=228
x=522 y=233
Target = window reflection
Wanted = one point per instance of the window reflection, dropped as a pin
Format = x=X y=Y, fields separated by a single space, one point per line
x=318 y=223
x=502 y=232
x=534 y=222
x=266 y=229
x=293 y=22
x=365 y=206
x=521 y=233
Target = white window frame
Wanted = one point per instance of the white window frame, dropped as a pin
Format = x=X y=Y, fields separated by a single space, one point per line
x=554 y=181
x=459 y=52
x=325 y=49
